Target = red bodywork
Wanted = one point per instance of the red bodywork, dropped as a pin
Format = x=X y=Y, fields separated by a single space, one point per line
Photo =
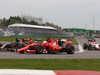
x=51 y=45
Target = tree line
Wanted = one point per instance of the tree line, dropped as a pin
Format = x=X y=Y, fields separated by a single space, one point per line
x=17 y=19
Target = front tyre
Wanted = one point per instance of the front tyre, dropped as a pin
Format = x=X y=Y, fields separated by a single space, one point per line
x=39 y=49
x=21 y=52
x=84 y=46
x=70 y=50
x=0 y=44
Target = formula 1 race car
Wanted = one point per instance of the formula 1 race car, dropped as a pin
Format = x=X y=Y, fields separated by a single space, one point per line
x=49 y=46
x=91 y=44
x=60 y=45
x=11 y=46
x=17 y=44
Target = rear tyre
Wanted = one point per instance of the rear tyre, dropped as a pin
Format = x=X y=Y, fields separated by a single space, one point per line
x=70 y=50
x=39 y=49
x=84 y=46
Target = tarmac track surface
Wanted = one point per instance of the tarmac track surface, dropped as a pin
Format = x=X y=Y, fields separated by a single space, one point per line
x=80 y=55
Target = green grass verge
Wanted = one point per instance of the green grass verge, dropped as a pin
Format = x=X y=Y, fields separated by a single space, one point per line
x=51 y=64
x=43 y=38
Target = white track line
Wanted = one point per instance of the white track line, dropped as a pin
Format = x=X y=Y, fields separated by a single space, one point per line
x=80 y=47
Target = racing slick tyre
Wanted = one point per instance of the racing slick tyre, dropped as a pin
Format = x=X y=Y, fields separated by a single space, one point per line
x=89 y=47
x=0 y=44
x=39 y=49
x=70 y=49
x=84 y=46
x=21 y=52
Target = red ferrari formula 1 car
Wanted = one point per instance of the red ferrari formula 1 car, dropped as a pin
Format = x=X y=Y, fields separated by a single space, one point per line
x=91 y=44
x=60 y=45
x=49 y=46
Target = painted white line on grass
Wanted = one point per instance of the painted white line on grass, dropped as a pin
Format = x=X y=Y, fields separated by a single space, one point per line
x=80 y=47
x=25 y=72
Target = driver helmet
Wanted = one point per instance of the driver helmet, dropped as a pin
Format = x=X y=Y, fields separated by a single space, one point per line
x=44 y=42
x=36 y=42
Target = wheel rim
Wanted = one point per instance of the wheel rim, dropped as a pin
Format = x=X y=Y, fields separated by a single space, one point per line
x=40 y=49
